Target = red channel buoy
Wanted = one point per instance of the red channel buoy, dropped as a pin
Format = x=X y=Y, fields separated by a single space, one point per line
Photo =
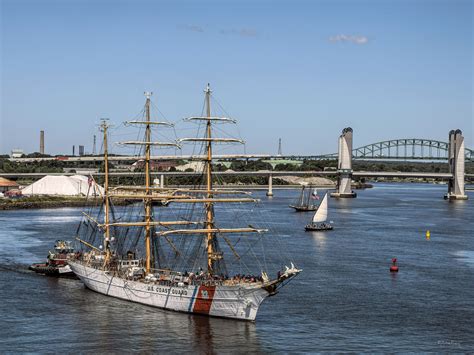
x=394 y=266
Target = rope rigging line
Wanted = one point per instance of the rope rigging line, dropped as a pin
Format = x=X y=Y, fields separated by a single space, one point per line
x=181 y=252
x=225 y=113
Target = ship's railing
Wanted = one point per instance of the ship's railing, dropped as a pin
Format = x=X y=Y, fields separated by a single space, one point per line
x=166 y=277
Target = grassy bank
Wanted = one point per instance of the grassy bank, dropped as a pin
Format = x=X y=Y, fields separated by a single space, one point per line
x=45 y=202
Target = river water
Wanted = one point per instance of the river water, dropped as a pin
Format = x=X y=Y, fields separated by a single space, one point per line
x=345 y=298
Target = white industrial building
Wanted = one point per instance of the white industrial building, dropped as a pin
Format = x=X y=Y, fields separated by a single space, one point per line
x=77 y=185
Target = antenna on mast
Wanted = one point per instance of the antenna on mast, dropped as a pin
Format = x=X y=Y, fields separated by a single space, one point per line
x=148 y=94
x=103 y=124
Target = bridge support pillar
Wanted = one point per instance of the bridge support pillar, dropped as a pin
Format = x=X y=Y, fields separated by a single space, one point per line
x=344 y=166
x=270 y=185
x=162 y=181
x=456 y=166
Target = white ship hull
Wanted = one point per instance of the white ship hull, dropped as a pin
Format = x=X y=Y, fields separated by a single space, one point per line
x=235 y=301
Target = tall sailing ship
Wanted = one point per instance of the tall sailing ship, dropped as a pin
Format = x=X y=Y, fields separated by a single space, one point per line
x=173 y=257
x=304 y=202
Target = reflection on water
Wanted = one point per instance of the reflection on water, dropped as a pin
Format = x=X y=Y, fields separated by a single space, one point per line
x=219 y=335
x=466 y=256
x=81 y=319
x=345 y=298
x=319 y=238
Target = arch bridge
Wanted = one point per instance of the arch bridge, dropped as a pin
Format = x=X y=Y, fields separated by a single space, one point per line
x=427 y=149
x=394 y=149
x=408 y=149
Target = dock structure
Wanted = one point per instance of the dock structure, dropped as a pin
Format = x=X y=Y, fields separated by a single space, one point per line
x=456 y=159
x=344 y=166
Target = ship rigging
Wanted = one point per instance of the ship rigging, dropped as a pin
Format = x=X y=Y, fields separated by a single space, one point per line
x=116 y=268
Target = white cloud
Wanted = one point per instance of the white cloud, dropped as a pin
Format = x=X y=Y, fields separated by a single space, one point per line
x=243 y=32
x=192 y=28
x=349 y=38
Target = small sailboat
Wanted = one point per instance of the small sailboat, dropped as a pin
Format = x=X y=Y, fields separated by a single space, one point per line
x=320 y=217
x=303 y=204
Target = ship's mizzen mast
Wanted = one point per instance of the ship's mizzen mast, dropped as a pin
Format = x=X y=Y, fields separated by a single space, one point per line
x=104 y=126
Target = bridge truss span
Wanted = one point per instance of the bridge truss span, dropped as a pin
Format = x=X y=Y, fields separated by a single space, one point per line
x=406 y=148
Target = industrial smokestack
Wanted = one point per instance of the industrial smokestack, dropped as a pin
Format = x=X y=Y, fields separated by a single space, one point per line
x=93 y=147
x=42 y=142
x=73 y=150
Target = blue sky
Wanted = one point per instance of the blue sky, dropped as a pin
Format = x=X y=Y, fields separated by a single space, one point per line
x=299 y=70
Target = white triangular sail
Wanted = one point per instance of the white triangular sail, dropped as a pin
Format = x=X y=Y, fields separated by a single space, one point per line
x=321 y=214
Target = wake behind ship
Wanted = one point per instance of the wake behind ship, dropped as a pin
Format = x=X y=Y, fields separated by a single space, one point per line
x=176 y=256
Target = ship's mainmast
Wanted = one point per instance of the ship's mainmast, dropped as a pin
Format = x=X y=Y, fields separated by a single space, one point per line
x=148 y=190
x=148 y=201
x=211 y=254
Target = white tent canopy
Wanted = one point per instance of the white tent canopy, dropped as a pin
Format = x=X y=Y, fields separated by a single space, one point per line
x=77 y=185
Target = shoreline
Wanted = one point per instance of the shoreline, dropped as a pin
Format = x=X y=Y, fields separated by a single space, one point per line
x=44 y=202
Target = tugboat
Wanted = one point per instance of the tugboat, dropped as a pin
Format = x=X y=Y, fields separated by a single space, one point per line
x=320 y=217
x=56 y=264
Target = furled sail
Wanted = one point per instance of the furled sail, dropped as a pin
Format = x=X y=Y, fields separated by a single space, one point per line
x=321 y=214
